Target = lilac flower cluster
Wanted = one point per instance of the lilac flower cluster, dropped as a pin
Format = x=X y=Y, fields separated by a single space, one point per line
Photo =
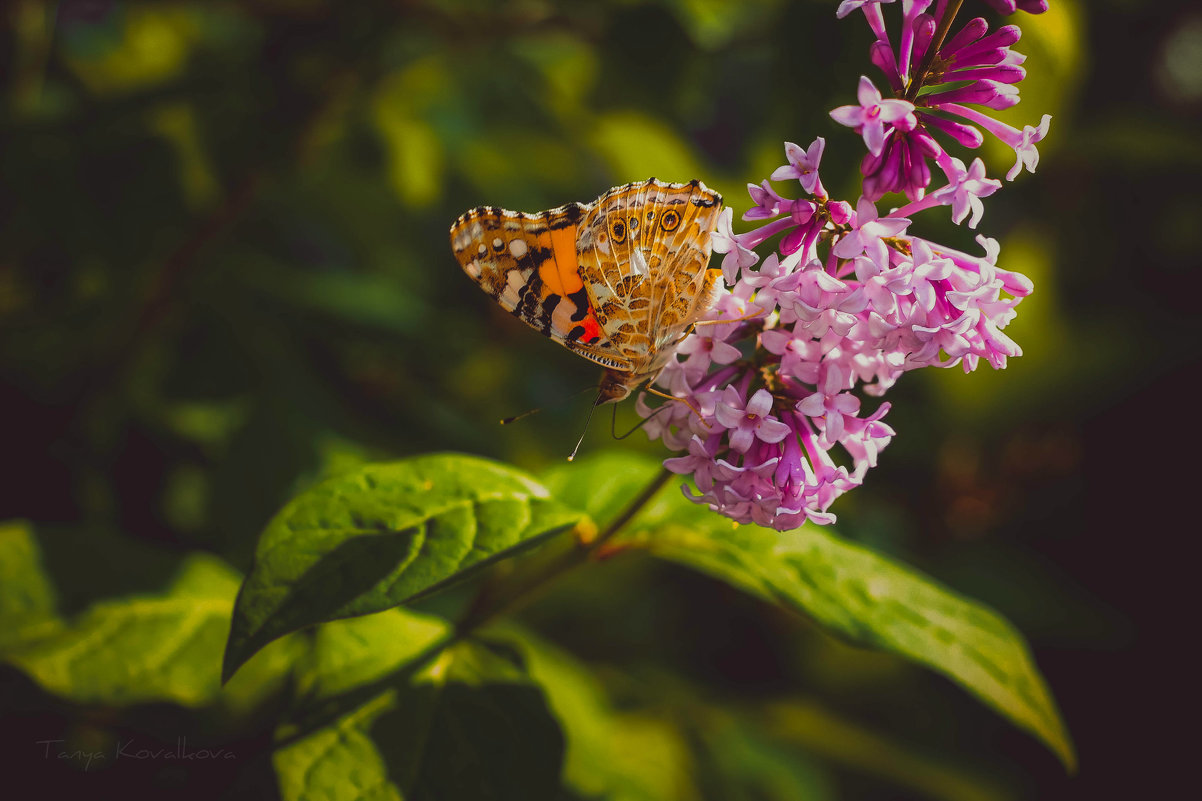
x=971 y=68
x=766 y=386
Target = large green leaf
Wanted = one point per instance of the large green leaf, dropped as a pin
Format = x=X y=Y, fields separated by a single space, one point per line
x=160 y=647
x=851 y=591
x=384 y=535
x=469 y=725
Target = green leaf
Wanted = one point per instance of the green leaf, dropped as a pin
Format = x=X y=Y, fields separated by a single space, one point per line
x=756 y=764
x=619 y=756
x=855 y=593
x=348 y=654
x=385 y=535
x=27 y=597
x=150 y=648
x=471 y=725
x=806 y=725
x=602 y=485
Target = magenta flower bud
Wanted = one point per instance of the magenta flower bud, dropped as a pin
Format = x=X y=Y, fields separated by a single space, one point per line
x=964 y=134
x=924 y=30
x=974 y=52
x=982 y=93
x=790 y=475
x=840 y=212
x=999 y=73
x=973 y=30
x=1010 y=6
x=881 y=56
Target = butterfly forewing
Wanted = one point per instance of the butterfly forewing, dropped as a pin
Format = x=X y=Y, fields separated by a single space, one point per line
x=528 y=263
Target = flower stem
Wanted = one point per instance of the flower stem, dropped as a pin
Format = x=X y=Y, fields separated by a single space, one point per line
x=945 y=25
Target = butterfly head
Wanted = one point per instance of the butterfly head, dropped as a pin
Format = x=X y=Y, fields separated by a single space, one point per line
x=616 y=385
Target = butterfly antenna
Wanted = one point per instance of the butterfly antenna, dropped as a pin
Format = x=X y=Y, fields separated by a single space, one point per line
x=613 y=423
x=587 y=420
x=517 y=417
x=506 y=421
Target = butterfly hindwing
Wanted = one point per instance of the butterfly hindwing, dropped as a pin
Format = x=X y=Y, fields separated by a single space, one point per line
x=644 y=253
x=684 y=285
x=528 y=263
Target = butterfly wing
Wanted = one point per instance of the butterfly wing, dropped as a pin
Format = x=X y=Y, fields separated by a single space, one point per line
x=684 y=287
x=644 y=253
x=529 y=264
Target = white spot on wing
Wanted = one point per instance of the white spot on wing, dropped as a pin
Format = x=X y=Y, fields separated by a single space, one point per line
x=513 y=285
x=638 y=263
x=561 y=319
x=518 y=248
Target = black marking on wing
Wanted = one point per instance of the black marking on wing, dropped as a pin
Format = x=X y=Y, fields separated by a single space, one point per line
x=568 y=216
x=530 y=309
x=546 y=312
x=579 y=298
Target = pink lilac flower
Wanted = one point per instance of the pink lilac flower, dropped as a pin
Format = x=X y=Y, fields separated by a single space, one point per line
x=736 y=255
x=874 y=117
x=803 y=165
x=751 y=421
x=963 y=192
x=773 y=385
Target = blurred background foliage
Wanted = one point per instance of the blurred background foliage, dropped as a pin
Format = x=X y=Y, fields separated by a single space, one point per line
x=224 y=274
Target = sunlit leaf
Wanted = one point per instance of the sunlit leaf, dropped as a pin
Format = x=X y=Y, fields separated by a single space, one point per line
x=350 y=653
x=27 y=597
x=150 y=648
x=384 y=535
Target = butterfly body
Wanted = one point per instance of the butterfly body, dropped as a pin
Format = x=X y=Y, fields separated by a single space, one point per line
x=618 y=281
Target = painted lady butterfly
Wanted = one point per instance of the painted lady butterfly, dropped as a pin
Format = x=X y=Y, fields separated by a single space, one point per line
x=618 y=281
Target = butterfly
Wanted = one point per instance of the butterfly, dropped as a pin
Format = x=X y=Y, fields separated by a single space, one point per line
x=619 y=281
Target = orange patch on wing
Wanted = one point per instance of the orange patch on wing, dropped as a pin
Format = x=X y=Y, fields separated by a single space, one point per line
x=561 y=272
